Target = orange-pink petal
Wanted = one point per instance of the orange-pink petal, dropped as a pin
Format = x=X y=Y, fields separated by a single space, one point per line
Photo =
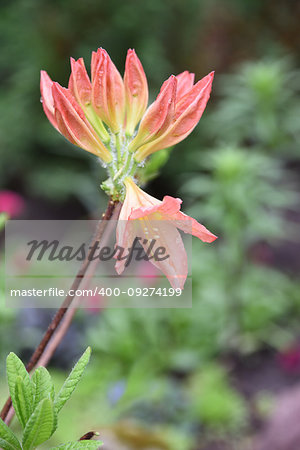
x=136 y=91
x=73 y=124
x=47 y=99
x=159 y=116
x=135 y=197
x=198 y=91
x=188 y=113
x=99 y=84
x=94 y=63
x=164 y=234
x=175 y=266
x=79 y=83
x=185 y=82
x=169 y=209
x=108 y=95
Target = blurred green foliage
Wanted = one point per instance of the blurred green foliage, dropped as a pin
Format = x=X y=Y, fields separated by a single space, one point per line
x=215 y=403
x=259 y=106
x=243 y=193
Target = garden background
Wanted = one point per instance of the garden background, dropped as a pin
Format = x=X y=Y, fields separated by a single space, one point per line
x=226 y=374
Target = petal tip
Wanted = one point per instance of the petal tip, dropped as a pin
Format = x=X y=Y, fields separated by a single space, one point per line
x=211 y=238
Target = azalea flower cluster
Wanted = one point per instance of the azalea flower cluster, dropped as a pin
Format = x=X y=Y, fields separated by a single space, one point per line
x=108 y=116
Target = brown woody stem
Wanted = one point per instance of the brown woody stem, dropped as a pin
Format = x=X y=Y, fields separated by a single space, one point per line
x=39 y=351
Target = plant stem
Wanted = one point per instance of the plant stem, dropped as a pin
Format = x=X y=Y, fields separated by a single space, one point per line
x=67 y=320
x=37 y=354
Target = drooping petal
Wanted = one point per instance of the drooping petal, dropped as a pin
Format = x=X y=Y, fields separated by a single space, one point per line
x=172 y=260
x=79 y=83
x=135 y=198
x=158 y=116
x=167 y=249
x=125 y=228
x=150 y=219
x=188 y=113
x=136 y=91
x=169 y=209
x=167 y=253
x=165 y=209
x=47 y=99
x=185 y=82
x=73 y=124
x=108 y=96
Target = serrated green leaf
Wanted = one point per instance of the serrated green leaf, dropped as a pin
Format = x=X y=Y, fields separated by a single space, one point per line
x=15 y=368
x=72 y=381
x=8 y=441
x=54 y=420
x=42 y=386
x=22 y=402
x=6 y=445
x=39 y=426
x=89 y=445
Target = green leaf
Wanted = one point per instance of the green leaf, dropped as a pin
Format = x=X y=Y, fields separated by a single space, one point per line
x=8 y=440
x=15 y=368
x=22 y=402
x=40 y=425
x=79 y=445
x=6 y=445
x=42 y=386
x=54 y=420
x=3 y=219
x=72 y=381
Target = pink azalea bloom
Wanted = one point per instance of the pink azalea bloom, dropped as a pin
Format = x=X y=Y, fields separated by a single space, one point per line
x=103 y=113
x=146 y=217
x=95 y=304
x=11 y=203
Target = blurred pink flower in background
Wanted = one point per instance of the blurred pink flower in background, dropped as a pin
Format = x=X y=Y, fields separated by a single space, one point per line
x=11 y=203
x=289 y=359
x=95 y=304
